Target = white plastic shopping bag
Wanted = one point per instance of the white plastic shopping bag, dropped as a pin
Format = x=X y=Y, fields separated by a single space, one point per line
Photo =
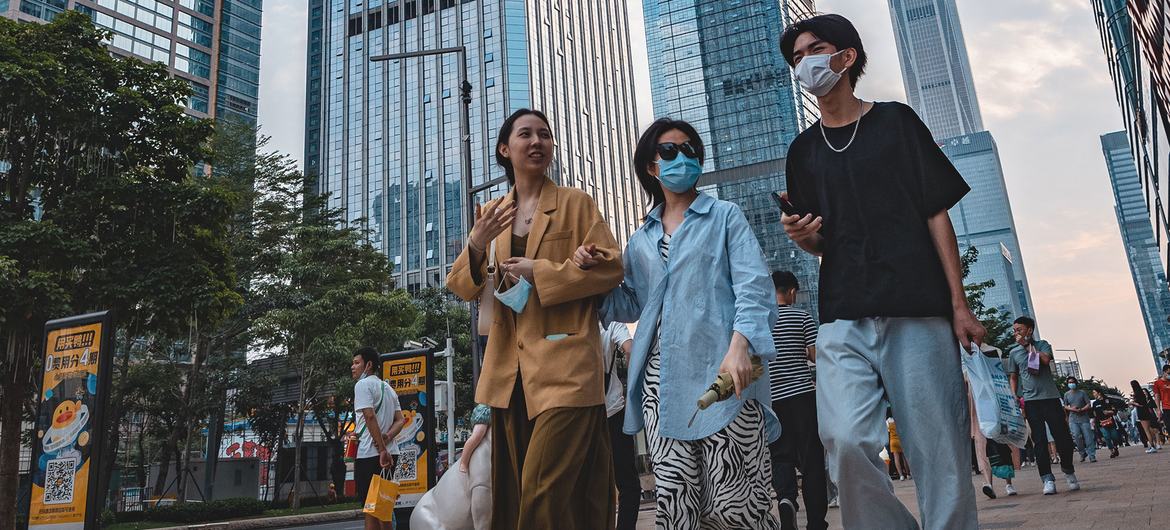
x=998 y=411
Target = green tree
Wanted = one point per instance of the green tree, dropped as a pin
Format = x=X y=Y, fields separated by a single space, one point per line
x=440 y=316
x=99 y=209
x=330 y=293
x=998 y=323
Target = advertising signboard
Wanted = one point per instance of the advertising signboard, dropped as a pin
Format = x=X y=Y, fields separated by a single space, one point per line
x=67 y=439
x=411 y=375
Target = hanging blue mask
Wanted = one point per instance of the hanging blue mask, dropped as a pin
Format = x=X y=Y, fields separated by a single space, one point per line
x=517 y=296
x=679 y=175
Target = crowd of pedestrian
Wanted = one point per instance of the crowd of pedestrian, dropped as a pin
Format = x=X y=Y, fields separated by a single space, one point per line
x=868 y=191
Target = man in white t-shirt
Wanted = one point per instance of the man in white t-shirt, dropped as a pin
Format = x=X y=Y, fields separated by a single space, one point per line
x=613 y=338
x=375 y=404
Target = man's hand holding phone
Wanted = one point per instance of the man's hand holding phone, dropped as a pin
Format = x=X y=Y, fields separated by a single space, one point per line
x=804 y=229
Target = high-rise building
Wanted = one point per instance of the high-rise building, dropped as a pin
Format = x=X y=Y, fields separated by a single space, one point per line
x=941 y=89
x=212 y=44
x=935 y=68
x=1132 y=37
x=984 y=220
x=384 y=136
x=717 y=65
x=1137 y=235
x=1063 y=369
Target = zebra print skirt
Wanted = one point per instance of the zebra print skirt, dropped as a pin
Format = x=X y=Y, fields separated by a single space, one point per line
x=723 y=481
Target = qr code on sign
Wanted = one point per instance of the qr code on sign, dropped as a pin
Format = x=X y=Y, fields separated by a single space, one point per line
x=407 y=468
x=59 y=476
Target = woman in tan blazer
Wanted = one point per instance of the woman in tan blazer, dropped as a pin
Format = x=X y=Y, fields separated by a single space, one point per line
x=542 y=376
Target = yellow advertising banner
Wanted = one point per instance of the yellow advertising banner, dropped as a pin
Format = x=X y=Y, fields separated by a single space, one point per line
x=410 y=379
x=66 y=425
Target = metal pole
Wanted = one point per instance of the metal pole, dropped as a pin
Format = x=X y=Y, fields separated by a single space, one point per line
x=469 y=189
x=450 y=403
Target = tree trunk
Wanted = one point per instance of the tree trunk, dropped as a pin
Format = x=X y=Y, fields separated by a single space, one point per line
x=19 y=350
x=113 y=419
x=297 y=438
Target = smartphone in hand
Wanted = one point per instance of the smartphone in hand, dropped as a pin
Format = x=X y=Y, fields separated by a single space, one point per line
x=784 y=204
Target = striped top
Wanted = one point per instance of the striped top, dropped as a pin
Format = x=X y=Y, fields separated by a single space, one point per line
x=793 y=333
x=664 y=247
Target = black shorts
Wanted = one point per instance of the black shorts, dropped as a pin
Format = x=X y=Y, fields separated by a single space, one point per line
x=364 y=470
x=1146 y=414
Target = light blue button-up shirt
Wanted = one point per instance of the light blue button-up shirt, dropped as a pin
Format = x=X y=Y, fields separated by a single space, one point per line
x=716 y=283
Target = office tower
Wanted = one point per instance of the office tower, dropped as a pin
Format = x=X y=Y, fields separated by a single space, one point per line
x=1063 y=369
x=984 y=219
x=718 y=65
x=384 y=136
x=935 y=68
x=1137 y=235
x=940 y=88
x=1132 y=35
x=212 y=44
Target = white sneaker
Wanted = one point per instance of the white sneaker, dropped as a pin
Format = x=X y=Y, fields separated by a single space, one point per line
x=1073 y=483
x=835 y=503
x=1011 y=490
x=1050 y=487
x=1151 y=450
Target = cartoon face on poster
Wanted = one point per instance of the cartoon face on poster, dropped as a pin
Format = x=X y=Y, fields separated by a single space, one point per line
x=408 y=377
x=65 y=426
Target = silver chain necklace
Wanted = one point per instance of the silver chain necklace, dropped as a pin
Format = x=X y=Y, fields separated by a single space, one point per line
x=856 y=125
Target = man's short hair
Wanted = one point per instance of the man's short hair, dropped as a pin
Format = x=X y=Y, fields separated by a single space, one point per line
x=1026 y=321
x=784 y=281
x=368 y=355
x=1070 y=378
x=833 y=29
x=1166 y=367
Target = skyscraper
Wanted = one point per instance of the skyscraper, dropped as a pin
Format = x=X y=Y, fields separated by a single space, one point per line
x=1132 y=37
x=984 y=219
x=214 y=45
x=935 y=68
x=717 y=65
x=384 y=136
x=940 y=88
x=1137 y=235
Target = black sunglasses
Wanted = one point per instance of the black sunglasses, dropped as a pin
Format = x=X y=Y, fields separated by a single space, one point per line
x=670 y=150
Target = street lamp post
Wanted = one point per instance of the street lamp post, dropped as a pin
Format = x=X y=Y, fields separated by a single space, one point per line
x=469 y=188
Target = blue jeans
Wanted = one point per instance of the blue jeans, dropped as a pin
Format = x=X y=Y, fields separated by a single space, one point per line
x=1111 y=436
x=1085 y=438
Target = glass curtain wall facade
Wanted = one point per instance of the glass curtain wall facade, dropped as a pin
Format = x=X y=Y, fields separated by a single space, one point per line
x=214 y=45
x=1137 y=235
x=1135 y=88
x=983 y=219
x=384 y=136
x=717 y=64
x=935 y=68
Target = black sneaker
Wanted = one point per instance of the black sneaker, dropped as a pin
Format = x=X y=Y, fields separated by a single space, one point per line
x=987 y=490
x=787 y=515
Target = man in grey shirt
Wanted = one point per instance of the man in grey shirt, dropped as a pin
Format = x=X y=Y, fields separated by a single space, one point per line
x=1079 y=408
x=1033 y=381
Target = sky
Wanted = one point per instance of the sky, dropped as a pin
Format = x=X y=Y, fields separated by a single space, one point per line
x=1046 y=97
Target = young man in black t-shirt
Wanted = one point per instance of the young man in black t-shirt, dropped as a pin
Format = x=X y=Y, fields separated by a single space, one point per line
x=873 y=189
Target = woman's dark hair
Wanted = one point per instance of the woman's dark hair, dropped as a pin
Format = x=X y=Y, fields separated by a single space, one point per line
x=833 y=29
x=368 y=355
x=1137 y=388
x=647 y=149
x=506 y=133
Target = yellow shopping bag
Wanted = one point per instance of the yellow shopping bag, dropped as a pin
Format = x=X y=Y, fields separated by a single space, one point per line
x=382 y=496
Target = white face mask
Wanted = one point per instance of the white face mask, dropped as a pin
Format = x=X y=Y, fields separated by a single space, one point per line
x=815 y=75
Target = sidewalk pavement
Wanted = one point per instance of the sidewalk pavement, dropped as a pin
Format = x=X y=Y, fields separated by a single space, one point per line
x=1128 y=492
x=275 y=522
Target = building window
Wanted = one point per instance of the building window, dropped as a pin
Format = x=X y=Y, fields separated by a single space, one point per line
x=374 y=20
x=488 y=57
x=411 y=10
x=355 y=26
x=392 y=16
x=491 y=82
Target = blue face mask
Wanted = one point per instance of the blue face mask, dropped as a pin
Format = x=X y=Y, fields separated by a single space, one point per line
x=1072 y=386
x=516 y=297
x=679 y=175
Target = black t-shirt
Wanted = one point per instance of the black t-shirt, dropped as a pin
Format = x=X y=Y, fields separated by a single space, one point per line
x=875 y=198
x=1101 y=408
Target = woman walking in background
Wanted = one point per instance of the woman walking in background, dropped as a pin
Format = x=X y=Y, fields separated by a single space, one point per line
x=1144 y=406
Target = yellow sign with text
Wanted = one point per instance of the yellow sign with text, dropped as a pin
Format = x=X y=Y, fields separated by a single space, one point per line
x=408 y=377
x=65 y=427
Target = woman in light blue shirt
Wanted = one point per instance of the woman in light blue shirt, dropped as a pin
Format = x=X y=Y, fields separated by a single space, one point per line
x=697 y=282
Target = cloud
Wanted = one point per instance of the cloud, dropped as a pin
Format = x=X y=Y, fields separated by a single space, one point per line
x=282 y=75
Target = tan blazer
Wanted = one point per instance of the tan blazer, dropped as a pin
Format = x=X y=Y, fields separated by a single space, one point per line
x=555 y=372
